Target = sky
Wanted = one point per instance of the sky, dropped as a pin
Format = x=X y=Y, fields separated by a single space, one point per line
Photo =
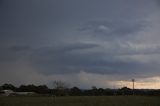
x=85 y=43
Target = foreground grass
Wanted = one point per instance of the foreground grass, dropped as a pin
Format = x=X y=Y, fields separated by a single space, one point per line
x=81 y=101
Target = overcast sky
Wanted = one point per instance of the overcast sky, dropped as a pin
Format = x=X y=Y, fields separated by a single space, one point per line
x=104 y=43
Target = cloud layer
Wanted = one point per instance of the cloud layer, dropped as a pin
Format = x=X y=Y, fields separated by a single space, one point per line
x=41 y=41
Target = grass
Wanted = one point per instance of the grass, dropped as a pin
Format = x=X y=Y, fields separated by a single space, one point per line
x=81 y=101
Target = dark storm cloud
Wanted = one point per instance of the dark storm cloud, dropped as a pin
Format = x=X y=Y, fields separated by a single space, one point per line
x=110 y=30
x=25 y=22
x=28 y=21
x=20 y=48
x=158 y=2
x=113 y=37
x=14 y=53
x=61 y=61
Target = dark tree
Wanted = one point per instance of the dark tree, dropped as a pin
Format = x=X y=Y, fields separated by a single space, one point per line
x=42 y=89
x=94 y=90
x=60 y=88
x=8 y=86
x=27 y=88
x=125 y=91
x=75 y=91
x=101 y=91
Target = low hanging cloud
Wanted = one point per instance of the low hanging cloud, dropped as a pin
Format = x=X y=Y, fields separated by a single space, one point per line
x=23 y=73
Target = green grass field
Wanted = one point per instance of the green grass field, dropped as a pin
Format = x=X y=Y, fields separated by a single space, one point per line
x=81 y=101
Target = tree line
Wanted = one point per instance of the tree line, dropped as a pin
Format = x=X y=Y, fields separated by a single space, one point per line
x=62 y=89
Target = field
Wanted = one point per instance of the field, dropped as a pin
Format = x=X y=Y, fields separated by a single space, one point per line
x=81 y=101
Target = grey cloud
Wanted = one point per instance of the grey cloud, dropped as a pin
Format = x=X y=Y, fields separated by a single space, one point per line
x=59 y=59
x=49 y=61
x=18 y=51
x=113 y=37
x=111 y=30
x=77 y=46
x=65 y=59
x=20 y=48
x=14 y=53
x=158 y=2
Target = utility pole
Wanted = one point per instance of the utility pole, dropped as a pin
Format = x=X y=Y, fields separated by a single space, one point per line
x=133 y=85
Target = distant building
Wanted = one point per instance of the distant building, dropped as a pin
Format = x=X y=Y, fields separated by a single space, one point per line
x=6 y=92
x=10 y=92
x=24 y=93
